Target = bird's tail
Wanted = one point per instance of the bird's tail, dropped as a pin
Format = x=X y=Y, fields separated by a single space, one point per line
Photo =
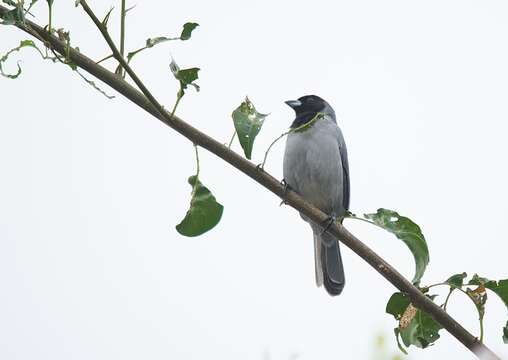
x=328 y=262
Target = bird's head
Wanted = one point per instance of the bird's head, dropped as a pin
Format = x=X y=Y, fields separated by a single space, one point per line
x=307 y=107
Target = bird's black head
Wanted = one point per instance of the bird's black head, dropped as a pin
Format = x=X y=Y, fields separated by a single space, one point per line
x=307 y=107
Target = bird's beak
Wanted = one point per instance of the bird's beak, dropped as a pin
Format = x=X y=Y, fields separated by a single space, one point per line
x=293 y=104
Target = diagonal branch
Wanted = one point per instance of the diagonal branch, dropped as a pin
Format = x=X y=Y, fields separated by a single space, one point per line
x=146 y=101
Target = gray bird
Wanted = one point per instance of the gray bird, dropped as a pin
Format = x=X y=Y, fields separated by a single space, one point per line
x=316 y=167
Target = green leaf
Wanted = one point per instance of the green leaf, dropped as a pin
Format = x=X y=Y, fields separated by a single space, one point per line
x=457 y=280
x=248 y=123
x=499 y=287
x=397 y=304
x=421 y=331
x=186 y=77
x=204 y=213
x=187 y=30
x=407 y=231
x=14 y=16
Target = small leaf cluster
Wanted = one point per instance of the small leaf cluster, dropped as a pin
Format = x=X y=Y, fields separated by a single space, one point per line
x=419 y=329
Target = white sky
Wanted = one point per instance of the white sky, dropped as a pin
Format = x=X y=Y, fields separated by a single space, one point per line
x=91 y=266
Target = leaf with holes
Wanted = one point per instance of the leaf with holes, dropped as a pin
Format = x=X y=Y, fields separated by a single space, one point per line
x=500 y=288
x=204 y=212
x=248 y=123
x=188 y=28
x=407 y=231
x=421 y=331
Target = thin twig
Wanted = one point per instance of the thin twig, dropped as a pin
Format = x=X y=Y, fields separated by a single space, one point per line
x=104 y=58
x=122 y=31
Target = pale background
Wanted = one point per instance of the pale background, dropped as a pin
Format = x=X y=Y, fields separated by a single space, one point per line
x=91 y=266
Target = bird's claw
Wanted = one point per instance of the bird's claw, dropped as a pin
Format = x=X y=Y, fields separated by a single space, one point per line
x=260 y=167
x=286 y=187
x=328 y=222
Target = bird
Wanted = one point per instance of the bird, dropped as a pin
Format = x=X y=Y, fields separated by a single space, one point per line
x=316 y=166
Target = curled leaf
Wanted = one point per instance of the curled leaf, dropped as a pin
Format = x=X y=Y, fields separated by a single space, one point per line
x=187 y=30
x=204 y=212
x=407 y=231
x=456 y=281
x=3 y=59
x=248 y=122
x=186 y=77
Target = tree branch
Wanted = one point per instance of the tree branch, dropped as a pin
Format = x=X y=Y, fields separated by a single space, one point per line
x=148 y=103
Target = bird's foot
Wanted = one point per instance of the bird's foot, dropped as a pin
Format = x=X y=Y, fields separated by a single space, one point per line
x=328 y=222
x=286 y=187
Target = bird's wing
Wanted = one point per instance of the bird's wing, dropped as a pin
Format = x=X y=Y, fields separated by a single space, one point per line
x=345 y=171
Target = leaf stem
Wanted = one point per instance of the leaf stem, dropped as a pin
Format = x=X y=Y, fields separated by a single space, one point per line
x=299 y=128
x=50 y=6
x=447 y=298
x=353 y=216
x=197 y=160
x=232 y=139
x=480 y=315
x=178 y=98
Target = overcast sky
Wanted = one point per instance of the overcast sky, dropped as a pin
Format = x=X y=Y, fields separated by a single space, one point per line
x=91 y=266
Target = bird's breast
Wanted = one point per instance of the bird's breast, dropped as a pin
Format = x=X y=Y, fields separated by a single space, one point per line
x=313 y=168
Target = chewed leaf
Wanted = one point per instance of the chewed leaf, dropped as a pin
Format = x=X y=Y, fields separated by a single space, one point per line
x=500 y=288
x=457 y=280
x=421 y=331
x=248 y=123
x=187 y=30
x=407 y=231
x=204 y=213
x=415 y=326
x=186 y=77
